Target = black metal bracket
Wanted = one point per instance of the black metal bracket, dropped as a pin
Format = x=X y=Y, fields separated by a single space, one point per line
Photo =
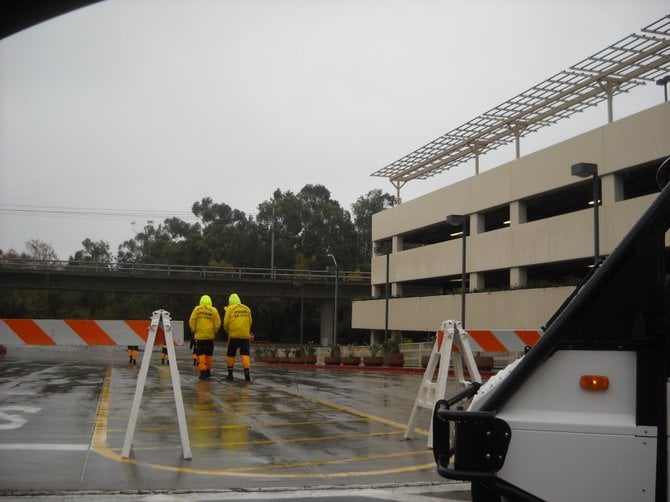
x=479 y=445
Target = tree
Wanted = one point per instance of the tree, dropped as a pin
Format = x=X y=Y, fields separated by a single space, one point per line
x=306 y=227
x=151 y=245
x=231 y=236
x=93 y=251
x=209 y=212
x=40 y=250
x=280 y=223
x=327 y=228
x=365 y=206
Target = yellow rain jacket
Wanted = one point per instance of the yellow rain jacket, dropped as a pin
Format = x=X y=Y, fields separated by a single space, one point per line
x=205 y=320
x=237 y=321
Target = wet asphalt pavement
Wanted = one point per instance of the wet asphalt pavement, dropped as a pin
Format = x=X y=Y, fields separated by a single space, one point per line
x=293 y=433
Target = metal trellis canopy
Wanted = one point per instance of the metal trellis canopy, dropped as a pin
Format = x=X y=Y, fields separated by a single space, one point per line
x=634 y=60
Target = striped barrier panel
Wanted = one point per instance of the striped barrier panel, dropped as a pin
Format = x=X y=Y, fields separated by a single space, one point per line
x=501 y=340
x=78 y=332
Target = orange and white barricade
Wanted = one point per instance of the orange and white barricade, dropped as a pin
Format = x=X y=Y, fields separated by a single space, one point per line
x=79 y=332
x=454 y=345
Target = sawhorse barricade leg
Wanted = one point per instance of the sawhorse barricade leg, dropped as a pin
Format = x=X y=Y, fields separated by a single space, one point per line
x=159 y=319
x=450 y=335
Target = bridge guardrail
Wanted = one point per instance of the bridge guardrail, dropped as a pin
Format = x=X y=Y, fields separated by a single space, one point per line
x=195 y=271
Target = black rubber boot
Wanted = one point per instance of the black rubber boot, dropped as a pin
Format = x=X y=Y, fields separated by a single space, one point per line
x=247 y=376
x=230 y=374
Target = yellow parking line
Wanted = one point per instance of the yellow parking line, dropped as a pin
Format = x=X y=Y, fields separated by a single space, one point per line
x=219 y=413
x=246 y=426
x=309 y=439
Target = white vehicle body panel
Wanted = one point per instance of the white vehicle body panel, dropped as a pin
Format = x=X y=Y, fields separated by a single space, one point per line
x=571 y=444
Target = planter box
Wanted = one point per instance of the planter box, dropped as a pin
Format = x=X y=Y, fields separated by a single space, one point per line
x=396 y=359
x=424 y=362
x=350 y=360
x=331 y=360
x=373 y=361
x=484 y=362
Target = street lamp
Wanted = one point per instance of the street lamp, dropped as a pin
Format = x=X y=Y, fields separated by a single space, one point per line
x=272 y=243
x=301 y=285
x=387 y=252
x=664 y=82
x=337 y=279
x=462 y=220
x=584 y=170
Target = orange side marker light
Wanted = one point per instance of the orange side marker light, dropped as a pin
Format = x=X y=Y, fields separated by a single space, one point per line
x=594 y=382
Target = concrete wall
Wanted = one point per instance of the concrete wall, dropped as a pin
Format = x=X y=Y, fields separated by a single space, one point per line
x=518 y=309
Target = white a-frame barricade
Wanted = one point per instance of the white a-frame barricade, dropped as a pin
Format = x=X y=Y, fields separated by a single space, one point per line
x=160 y=324
x=449 y=337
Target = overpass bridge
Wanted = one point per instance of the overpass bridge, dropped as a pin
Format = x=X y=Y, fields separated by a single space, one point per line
x=186 y=279
x=181 y=279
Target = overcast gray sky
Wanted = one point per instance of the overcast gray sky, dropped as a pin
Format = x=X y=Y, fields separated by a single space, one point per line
x=130 y=110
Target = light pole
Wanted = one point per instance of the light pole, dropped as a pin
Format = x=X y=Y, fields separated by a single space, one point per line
x=337 y=279
x=664 y=82
x=462 y=220
x=301 y=285
x=272 y=243
x=584 y=170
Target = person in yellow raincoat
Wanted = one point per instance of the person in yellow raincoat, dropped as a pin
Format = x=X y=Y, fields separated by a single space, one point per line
x=237 y=323
x=204 y=322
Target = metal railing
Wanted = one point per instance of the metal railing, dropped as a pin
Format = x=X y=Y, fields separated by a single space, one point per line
x=182 y=271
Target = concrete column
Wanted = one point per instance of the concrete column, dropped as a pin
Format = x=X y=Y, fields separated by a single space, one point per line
x=517 y=277
x=477 y=223
x=327 y=309
x=476 y=281
x=396 y=287
x=517 y=213
x=611 y=189
x=377 y=291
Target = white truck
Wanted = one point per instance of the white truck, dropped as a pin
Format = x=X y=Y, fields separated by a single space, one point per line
x=583 y=415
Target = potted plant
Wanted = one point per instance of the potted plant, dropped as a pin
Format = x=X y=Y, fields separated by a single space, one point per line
x=334 y=357
x=310 y=357
x=287 y=355
x=351 y=359
x=260 y=354
x=298 y=355
x=395 y=357
x=374 y=359
x=272 y=355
